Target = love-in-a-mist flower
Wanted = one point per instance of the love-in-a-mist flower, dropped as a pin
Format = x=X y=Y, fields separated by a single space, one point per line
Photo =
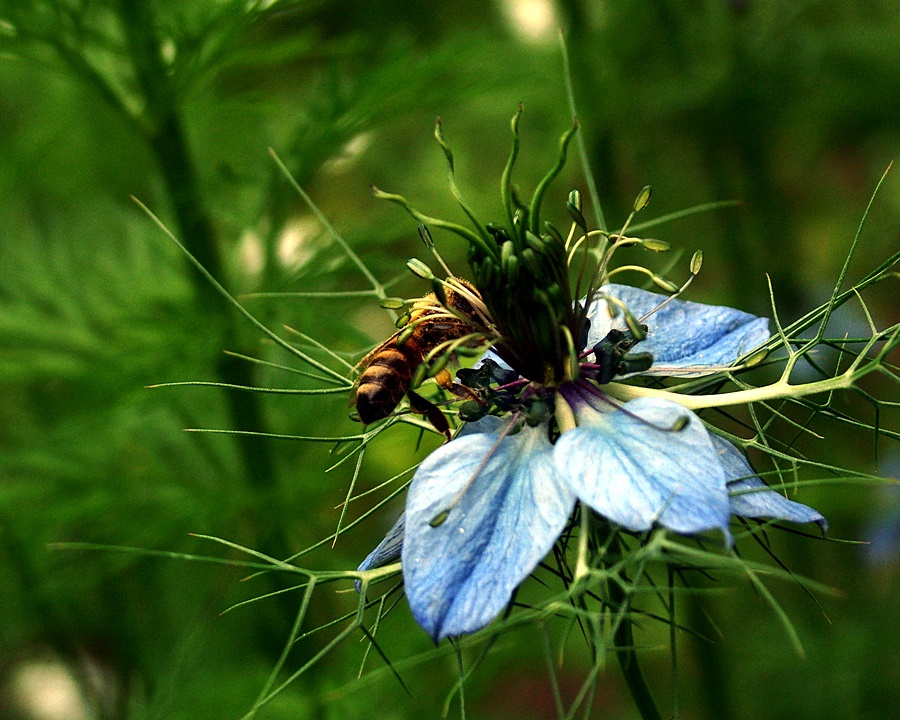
x=569 y=418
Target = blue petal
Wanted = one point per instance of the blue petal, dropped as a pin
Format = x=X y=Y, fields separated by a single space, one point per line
x=388 y=550
x=632 y=469
x=685 y=338
x=460 y=574
x=750 y=497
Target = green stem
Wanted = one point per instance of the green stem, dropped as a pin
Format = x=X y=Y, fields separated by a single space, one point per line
x=168 y=141
x=166 y=136
x=628 y=660
x=780 y=389
x=601 y=536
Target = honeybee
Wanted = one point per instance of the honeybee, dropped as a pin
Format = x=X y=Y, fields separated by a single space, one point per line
x=386 y=373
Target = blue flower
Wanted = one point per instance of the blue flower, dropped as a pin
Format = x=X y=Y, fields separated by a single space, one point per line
x=485 y=509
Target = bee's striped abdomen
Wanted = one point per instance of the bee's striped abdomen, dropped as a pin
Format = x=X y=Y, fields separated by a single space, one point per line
x=385 y=381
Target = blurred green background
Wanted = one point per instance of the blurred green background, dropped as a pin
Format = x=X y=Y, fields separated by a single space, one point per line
x=791 y=108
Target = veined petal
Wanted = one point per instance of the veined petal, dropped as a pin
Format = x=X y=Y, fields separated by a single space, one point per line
x=751 y=497
x=632 y=469
x=388 y=550
x=460 y=574
x=685 y=338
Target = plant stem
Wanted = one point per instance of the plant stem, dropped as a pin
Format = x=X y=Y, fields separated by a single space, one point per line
x=628 y=661
x=167 y=139
x=781 y=389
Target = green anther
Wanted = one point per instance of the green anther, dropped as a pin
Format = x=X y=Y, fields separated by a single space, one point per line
x=696 y=262
x=392 y=303
x=680 y=424
x=437 y=287
x=655 y=245
x=571 y=354
x=425 y=234
x=637 y=362
x=439 y=519
x=635 y=327
x=756 y=358
x=417 y=267
x=419 y=376
x=575 y=211
x=439 y=364
x=403 y=320
x=666 y=285
x=575 y=199
x=643 y=198
x=405 y=335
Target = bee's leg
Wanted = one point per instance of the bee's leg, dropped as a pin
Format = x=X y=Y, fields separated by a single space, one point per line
x=445 y=380
x=463 y=391
x=432 y=413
